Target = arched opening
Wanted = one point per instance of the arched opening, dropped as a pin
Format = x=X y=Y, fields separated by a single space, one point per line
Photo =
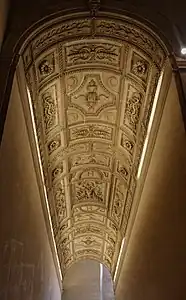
x=93 y=91
x=88 y=278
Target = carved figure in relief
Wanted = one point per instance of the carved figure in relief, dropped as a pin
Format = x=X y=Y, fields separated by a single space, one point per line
x=49 y=110
x=89 y=190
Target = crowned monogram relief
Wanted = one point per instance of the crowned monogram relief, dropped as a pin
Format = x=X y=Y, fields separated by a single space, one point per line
x=93 y=52
x=92 y=96
x=92 y=83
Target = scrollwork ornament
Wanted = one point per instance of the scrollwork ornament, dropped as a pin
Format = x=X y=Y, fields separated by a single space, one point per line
x=49 y=110
x=133 y=107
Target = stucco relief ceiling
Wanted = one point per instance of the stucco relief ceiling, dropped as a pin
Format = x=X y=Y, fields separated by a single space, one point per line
x=92 y=84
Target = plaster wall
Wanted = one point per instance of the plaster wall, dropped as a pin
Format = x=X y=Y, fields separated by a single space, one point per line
x=26 y=264
x=155 y=262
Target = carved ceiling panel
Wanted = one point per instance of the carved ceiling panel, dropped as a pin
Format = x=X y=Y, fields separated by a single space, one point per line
x=92 y=83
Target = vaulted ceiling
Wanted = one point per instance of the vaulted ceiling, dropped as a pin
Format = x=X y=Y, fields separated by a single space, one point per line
x=92 y=83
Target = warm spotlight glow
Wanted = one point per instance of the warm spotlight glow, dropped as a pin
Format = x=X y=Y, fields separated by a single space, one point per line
x=150 y=125
x=42 y=175
x=183 y=51
x=101 y=281
x=119 y=258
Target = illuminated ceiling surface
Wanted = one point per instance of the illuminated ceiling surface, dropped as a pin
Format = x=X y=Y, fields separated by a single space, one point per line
x=92 y=83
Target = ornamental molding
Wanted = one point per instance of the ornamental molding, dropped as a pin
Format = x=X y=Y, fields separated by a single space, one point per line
x=92 y=96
